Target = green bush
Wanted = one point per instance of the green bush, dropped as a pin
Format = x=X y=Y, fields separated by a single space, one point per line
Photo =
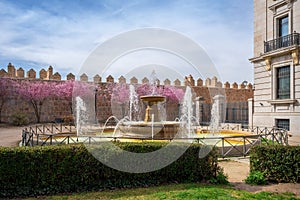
x=46 y=170
x=277 y=163
x=221 y=178
x=19 y=119
x=256 y=178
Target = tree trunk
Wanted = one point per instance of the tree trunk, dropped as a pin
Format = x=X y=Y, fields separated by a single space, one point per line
x=71 y=107
x=37 y=106
x=1 y=106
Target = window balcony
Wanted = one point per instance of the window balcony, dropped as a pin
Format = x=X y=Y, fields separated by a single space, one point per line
x=281 y=42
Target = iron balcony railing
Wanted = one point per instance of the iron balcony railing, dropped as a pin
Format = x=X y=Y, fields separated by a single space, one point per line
x=281 y=42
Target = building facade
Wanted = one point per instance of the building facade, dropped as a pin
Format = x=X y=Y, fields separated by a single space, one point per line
x=276 y=64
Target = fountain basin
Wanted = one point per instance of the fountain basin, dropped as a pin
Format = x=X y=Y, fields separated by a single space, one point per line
x=230 y=137
x=143 y=129
x=228 y=142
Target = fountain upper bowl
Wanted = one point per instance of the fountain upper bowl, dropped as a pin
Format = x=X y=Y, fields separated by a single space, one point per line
x=153 y=98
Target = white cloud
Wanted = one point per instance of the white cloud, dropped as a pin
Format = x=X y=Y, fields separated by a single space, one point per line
x=65 y=39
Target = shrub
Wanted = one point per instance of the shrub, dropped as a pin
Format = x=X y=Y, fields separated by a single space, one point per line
x=68 y=119
x=256 y=178
x=71 y=168
x=19 y=119
x=221 y=178
x=277 y=163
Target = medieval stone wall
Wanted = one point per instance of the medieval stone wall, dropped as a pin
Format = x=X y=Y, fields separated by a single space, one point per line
x=58 y=108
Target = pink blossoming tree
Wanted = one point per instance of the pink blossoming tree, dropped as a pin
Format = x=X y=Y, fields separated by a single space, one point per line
x=64 y=90
x=120 y=92
x=6 y=89
x=119 y=96
x=172 y=94
x=67 y=90
x=36 y=92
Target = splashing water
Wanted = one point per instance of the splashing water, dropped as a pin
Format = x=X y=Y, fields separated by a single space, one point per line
x=108 y=119
x=80 y=114
x=121 y=121
x=198 y=111
x=214 y=121
x=154 y=82
x=133 y=103
x=216 y=114
x=187 y=110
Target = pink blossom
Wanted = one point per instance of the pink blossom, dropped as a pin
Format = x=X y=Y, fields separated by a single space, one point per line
x=172 y=93
x=65 y=89
x=36 y=92
x=6 y=89
x=120 y=94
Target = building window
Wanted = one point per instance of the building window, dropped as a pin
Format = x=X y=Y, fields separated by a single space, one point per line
x=283 y=24
x=283 y=83
x=283 y=31
x=283 y=123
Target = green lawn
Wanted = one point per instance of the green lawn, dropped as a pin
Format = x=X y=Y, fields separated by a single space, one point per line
x=175 y=191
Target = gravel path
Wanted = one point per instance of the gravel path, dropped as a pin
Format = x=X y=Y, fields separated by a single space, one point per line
x=237 y=171
x=10 y=136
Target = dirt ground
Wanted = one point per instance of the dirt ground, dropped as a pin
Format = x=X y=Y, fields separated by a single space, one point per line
x=236 y=169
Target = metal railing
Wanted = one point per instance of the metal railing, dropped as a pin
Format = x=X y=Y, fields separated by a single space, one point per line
x=32 y=134
x=281 y=42
x=273 y=135
x=50 y=134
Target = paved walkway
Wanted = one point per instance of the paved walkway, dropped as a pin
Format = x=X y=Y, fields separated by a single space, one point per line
x=294 y=140
x=10 y=136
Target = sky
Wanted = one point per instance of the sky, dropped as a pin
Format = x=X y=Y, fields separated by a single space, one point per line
x=36 y=34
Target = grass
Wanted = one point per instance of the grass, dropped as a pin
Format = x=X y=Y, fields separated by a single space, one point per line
x=265 y=141
x=176 y=191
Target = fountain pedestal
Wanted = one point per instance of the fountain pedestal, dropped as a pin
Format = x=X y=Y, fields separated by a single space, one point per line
x=148 y=114
x=152 y=110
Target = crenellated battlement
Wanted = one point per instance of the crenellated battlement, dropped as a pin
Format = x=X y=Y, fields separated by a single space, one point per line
x=50 y=75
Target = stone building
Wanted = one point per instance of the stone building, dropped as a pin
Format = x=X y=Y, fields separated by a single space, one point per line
x=276 y=64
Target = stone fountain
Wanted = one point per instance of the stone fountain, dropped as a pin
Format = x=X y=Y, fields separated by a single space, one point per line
x=153 y=126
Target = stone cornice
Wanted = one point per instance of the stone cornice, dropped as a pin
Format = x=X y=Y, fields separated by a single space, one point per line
x=282 y=101
x=279 y=52
x=281 y=3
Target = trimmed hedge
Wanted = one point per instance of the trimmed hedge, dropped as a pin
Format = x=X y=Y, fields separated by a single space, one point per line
x=277 y=163
x=48 y=170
